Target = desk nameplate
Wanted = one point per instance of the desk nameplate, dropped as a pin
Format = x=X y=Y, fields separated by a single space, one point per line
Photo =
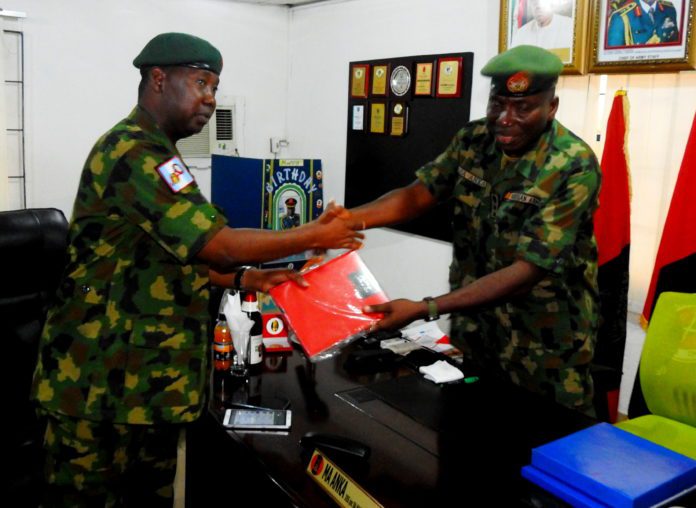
x=341 y=487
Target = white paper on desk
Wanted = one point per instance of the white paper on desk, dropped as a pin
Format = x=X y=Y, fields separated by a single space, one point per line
x=428 y=334
x=441 y=372
x=239 y=323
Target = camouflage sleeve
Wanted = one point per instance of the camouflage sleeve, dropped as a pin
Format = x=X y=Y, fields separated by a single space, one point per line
x=440 y=175
x=548 y=237
x=180 y=222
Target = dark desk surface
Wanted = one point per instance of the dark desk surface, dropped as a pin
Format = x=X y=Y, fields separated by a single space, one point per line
x=471 y=440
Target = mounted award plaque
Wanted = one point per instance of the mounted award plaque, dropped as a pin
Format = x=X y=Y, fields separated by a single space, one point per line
x=449 y=77
x=424 y=79
x=380 y=75
x=359 y=80
x=390 y=136
x=378 y=117
x=358 y=122
x=399 y=119
x=400 y=81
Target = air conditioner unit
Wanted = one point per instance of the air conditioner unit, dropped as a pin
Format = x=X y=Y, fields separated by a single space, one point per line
x=217 y=137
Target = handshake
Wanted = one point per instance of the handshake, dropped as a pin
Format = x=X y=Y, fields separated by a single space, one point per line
x=336 y=228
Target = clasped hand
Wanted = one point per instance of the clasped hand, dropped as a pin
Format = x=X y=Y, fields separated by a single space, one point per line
x=336 y=230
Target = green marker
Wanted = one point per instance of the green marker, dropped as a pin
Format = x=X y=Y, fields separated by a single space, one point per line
x=471 y=379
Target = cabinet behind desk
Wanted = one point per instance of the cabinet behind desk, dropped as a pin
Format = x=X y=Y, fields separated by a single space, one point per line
x=430 y=445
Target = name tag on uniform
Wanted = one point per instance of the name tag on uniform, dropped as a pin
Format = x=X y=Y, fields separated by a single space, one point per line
x=522 y=198
x=472 y=178
x=175 y=173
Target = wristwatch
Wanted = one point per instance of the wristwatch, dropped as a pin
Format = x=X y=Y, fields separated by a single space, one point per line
x=433 y=314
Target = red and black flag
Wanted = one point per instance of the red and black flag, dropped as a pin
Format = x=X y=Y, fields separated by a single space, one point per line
x=612 y=226
x=675 y=266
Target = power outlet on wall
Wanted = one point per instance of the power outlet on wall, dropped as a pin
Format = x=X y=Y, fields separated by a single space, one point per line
x=277 y=144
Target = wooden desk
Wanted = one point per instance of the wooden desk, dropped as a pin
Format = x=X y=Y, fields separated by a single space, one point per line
x=469 y=443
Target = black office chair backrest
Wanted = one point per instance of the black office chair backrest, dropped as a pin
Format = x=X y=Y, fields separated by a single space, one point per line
x=32 y=258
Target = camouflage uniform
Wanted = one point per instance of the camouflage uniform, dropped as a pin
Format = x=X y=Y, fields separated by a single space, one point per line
x=126 y=341
x=537 y=208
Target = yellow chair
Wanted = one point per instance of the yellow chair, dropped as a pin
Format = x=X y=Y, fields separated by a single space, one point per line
x=668 y=376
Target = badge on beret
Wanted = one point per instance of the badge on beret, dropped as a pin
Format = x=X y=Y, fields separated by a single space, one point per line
x=175 y=173
x=518 y=82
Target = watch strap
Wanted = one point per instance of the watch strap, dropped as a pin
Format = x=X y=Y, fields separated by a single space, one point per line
x=433 y=313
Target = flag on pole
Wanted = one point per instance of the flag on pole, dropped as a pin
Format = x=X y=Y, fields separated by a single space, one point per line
x=675 y=266
x=612 y=227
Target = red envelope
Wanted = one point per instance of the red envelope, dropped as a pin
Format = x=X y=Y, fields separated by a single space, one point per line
x=328 y=314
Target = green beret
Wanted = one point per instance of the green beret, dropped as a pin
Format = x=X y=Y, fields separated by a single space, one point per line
x=523 y=70
x=180 y=49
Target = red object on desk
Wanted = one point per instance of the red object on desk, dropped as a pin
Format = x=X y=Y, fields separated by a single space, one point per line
x=328 y=313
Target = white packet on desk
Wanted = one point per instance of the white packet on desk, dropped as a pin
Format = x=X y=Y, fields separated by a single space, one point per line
x=441 y=372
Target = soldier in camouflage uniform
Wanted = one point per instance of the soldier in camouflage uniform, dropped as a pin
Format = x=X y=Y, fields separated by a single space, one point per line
x=524 y=297
x=122 y=360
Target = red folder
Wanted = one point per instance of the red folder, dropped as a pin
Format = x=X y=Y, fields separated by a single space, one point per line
x=328 y=314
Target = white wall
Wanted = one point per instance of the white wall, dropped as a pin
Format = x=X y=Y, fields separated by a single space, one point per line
x=80 y=80
x=290 y=70
x=323 y=39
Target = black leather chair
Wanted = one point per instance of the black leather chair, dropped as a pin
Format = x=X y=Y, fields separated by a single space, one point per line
x=32 y=258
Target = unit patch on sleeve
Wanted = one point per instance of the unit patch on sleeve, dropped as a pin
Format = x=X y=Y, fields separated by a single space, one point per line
x=175 y=173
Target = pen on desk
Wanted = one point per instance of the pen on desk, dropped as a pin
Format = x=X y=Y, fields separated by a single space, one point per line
x=471 y=379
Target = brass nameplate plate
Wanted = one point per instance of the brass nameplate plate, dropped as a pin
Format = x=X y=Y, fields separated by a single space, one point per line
x=341 y=487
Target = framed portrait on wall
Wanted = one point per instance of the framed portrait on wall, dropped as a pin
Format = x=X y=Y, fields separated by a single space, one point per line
x=557 y=25
x=642 y=36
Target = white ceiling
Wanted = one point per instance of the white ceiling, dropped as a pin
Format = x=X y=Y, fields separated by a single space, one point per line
x=289 y=3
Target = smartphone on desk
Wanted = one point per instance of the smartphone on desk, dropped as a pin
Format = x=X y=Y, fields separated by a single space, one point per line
x=257 y=419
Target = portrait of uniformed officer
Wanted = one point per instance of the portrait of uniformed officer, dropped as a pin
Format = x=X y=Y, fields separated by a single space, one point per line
x=643 y=22
x=290 y=219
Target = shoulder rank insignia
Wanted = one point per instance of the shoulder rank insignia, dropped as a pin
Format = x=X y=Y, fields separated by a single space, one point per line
x=175 y=173
x=623 y=9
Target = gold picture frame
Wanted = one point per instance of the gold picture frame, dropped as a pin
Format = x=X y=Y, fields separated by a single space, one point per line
x=625 y=41
x=562 y=30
